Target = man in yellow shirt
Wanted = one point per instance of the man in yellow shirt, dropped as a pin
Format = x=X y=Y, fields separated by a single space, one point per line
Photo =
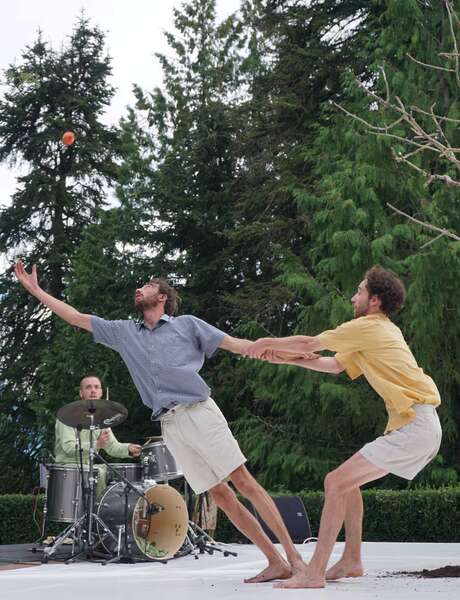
x=369 y=345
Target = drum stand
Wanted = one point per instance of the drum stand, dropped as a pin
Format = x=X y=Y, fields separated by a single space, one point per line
x=199 y=542
x=87 y=543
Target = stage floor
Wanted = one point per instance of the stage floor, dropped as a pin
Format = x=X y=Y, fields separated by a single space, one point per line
x=220 y=578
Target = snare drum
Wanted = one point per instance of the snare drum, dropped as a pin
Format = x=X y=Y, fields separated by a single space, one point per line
x=130 y=471
x=64 y=498
x=158 y=463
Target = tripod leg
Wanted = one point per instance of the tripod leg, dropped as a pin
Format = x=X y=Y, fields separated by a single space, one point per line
x=70 y=530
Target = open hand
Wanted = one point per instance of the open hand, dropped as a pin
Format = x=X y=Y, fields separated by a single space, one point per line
x=28 y=280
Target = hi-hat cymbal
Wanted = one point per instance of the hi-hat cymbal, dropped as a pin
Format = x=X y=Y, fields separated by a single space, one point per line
x=105 y=412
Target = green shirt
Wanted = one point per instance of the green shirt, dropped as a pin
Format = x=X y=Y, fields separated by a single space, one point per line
x=65 y=450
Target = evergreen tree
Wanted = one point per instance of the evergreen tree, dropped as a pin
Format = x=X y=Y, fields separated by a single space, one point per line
x=353 y=228
x=47 y=93
x=298 y=425
x=180 y=173
x=105 y=273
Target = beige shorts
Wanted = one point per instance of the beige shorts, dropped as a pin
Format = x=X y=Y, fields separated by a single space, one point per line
x=404 y=452
x=202 y=444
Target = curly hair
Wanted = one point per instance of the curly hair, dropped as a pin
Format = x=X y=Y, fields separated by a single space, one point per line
x=388 y=287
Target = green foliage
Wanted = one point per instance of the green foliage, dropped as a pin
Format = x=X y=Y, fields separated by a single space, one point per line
x=21 y=519
x=46 y=93
x=242 y=183
x=413 y=515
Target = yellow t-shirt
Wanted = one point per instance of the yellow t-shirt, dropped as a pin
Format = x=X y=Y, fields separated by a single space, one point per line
x=373 y=346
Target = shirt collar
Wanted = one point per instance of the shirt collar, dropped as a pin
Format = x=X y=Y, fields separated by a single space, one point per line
x=163 y=319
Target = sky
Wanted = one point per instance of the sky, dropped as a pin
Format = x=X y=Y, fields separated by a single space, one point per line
x=134 y=32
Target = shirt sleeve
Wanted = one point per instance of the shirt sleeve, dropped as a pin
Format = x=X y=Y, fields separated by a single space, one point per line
x=65 y=438
x=106 y=332
x=354 y=336
x=207 y=336
x=115 y=448
x=348 y=361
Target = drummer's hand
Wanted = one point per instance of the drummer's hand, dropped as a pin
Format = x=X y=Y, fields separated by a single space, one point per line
x=103 y=439
x=134 y=450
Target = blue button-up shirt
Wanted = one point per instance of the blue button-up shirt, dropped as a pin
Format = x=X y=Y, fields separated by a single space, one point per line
x=164 y=361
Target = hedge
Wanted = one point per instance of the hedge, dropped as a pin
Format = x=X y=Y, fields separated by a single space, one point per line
x=414 y=515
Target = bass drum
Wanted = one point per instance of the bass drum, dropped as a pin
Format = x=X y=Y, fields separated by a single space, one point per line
x=156 y=533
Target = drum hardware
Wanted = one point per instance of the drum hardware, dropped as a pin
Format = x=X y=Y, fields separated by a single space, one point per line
x=123 y=551
x=86 y=414
x=134 y=520
x=157 y=462
x=151 y=522
x=199 y=542
x=132 y=472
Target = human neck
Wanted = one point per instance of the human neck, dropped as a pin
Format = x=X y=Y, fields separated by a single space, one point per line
x=374 y=311
x=153 y=315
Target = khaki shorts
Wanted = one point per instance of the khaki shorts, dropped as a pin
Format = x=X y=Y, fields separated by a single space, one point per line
x=202 y=444
x=404 y=452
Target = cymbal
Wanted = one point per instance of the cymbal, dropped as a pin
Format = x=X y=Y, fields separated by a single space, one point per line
x=106 y=413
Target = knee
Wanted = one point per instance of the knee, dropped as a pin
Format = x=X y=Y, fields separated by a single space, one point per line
x=246 y=484
x=334 y=484
x=223 y=496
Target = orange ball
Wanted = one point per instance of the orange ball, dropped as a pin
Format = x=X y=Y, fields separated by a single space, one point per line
x=68 y=138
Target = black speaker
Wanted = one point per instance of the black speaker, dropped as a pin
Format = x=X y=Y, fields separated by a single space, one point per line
x=294 y=515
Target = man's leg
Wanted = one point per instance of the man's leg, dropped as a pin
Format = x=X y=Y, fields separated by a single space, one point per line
x=347 y=478
x=227 y=501
x=255 y=493
x=350 y=563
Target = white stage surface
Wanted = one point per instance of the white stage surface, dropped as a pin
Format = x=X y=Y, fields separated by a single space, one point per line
x=221 y=578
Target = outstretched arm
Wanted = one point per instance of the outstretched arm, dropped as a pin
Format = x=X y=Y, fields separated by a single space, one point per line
x=235 y=345
x=296 y=344
x=323 y=364
x=30 y=282
x=241 y=346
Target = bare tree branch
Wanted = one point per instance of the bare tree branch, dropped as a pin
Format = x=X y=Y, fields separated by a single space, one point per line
x=451 y=13
x=423 y=138
x=429 y=66
x=443 y=232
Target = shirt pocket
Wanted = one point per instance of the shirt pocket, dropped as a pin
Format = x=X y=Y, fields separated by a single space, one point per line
x=171 y=351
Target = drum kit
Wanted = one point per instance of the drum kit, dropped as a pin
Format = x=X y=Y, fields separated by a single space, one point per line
x=139 y=516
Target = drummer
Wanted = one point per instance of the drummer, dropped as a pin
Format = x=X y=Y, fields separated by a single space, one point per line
x=66 y=446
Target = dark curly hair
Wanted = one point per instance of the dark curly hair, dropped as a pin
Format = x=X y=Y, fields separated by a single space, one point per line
x=388 y=287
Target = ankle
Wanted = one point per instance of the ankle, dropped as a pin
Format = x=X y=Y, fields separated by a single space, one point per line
x=351 y=559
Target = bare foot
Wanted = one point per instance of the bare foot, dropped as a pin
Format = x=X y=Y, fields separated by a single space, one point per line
x=343 y=568
x=276 y=571
x=297 y=566
x=303 y=579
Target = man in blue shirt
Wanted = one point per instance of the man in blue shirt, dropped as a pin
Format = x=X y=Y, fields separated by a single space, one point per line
x=164 y=355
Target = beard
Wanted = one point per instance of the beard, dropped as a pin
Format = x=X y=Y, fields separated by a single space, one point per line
x=141 y=304
x=361 y=311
